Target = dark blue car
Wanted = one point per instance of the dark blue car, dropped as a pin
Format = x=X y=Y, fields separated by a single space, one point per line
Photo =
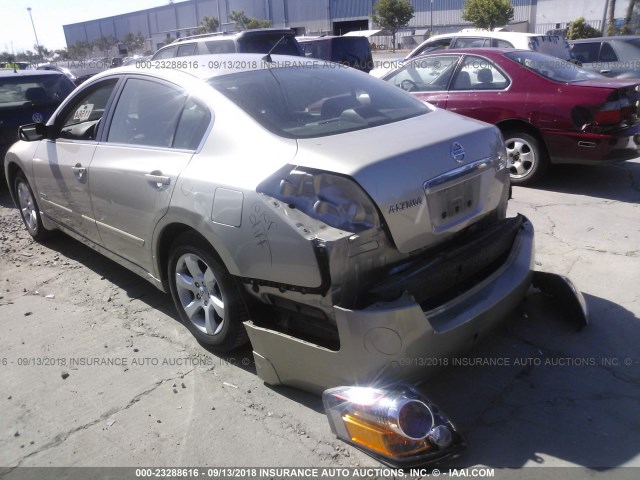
x=27 y=96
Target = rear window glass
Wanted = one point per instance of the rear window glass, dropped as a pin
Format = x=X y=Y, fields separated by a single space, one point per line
x=42 y=90
x=317 y=99
x=551 y=67
x=220 y=46
x=554 y=45
x=350 y=50
x=586 y=52
x=264 y=43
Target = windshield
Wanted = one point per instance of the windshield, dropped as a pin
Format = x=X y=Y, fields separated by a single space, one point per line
x=316 y=99
x=552 y=68
x=22 y=91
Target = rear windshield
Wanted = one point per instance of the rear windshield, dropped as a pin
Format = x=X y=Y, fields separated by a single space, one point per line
x=316 y=99
x=554 y=45
x=352 y=51
x=42 y=90
x=552 y=68
x=264 y=43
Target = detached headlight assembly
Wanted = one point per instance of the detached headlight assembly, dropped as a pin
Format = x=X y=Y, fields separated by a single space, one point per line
x=333 y=199
x=399 y=427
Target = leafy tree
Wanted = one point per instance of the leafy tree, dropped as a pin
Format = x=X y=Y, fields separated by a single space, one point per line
x=209 y=25
x=580 y=29
x=42 y=52
x=129 y=39
x=133 y=42
x=488 y=14
x=392 y=15
x=245 y=23
x=62 y=54
x=105 y=44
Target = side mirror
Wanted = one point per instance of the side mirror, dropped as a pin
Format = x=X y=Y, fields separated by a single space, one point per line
x=33 y=132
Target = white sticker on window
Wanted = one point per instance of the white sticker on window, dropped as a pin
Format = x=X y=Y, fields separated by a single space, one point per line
x=84 y=112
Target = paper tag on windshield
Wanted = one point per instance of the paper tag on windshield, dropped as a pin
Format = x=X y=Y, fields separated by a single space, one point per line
x=84 y=112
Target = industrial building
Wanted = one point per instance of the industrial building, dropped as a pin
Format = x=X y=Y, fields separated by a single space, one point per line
x=162 y=24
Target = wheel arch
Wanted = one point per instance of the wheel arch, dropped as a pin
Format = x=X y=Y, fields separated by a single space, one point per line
x=12 y=171
x=165 y=238
x=524 y=126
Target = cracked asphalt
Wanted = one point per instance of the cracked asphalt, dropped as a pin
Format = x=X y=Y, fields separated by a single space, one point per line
x=96 y=369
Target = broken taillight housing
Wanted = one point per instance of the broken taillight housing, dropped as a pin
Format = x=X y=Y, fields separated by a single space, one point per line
x=609 y=114
x=333 y=199
x=397 y=426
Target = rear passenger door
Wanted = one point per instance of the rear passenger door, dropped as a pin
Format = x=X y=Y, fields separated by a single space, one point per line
x=479 y=90
x=427 y=78
x=153 y=132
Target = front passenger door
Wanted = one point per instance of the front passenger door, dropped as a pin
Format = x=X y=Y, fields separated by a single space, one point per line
x=61 y=166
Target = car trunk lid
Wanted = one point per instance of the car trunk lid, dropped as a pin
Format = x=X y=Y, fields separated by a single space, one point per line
x=430 y=176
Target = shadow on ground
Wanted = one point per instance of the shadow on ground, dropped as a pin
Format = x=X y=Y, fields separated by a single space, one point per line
x=572 y=395
x=620 y=182
x=567 y=394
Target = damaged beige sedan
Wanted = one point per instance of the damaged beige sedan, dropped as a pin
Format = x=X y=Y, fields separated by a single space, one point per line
x=345 y=228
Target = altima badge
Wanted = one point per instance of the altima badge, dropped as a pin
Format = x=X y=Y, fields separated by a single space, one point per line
x=457 y=152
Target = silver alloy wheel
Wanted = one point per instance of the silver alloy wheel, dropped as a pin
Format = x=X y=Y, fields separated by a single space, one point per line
x=521 y=157
x=27 y=206
x=200 y=294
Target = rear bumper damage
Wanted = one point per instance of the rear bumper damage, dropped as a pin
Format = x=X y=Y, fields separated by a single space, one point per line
x=397 y=341
x=392 y=344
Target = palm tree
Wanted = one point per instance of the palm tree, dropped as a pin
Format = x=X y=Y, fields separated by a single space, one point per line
x=626 y=28
x=611 y=28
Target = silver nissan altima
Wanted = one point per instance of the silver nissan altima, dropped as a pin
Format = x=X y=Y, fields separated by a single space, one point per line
x=348 y=230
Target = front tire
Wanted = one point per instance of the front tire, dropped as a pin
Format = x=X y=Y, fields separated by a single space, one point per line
x=526 y=157
x=28 y=207
x=206 y=296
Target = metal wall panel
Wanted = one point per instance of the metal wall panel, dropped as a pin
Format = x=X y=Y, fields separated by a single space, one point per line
x=350 y=9
x=186 y=16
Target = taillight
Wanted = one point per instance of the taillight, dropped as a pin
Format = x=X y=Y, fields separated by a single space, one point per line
x=609 y=114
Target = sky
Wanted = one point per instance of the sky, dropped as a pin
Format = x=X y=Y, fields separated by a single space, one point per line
x=50 y=15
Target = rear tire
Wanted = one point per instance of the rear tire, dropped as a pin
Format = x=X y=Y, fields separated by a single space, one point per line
x=207 y=297
x=29 y=210
x=526 y=158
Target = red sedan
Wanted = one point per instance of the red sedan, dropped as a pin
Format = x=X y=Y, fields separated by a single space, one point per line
x=549 y=110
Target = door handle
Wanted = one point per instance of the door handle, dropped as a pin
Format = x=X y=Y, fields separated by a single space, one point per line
x=604 y=72
x=79 y=170
x=159 y=180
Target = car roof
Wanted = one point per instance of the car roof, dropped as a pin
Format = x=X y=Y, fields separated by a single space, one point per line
x=8 y=72
x=215 y=65
x=601 y=39
x=489 y=52
x=325 y=37
x=489 y=33
x=205 y=37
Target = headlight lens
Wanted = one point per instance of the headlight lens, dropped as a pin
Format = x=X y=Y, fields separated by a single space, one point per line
x=335 y=200
x=398 y=426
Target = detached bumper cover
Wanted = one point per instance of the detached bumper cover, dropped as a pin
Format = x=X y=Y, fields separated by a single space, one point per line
x=396 y=341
